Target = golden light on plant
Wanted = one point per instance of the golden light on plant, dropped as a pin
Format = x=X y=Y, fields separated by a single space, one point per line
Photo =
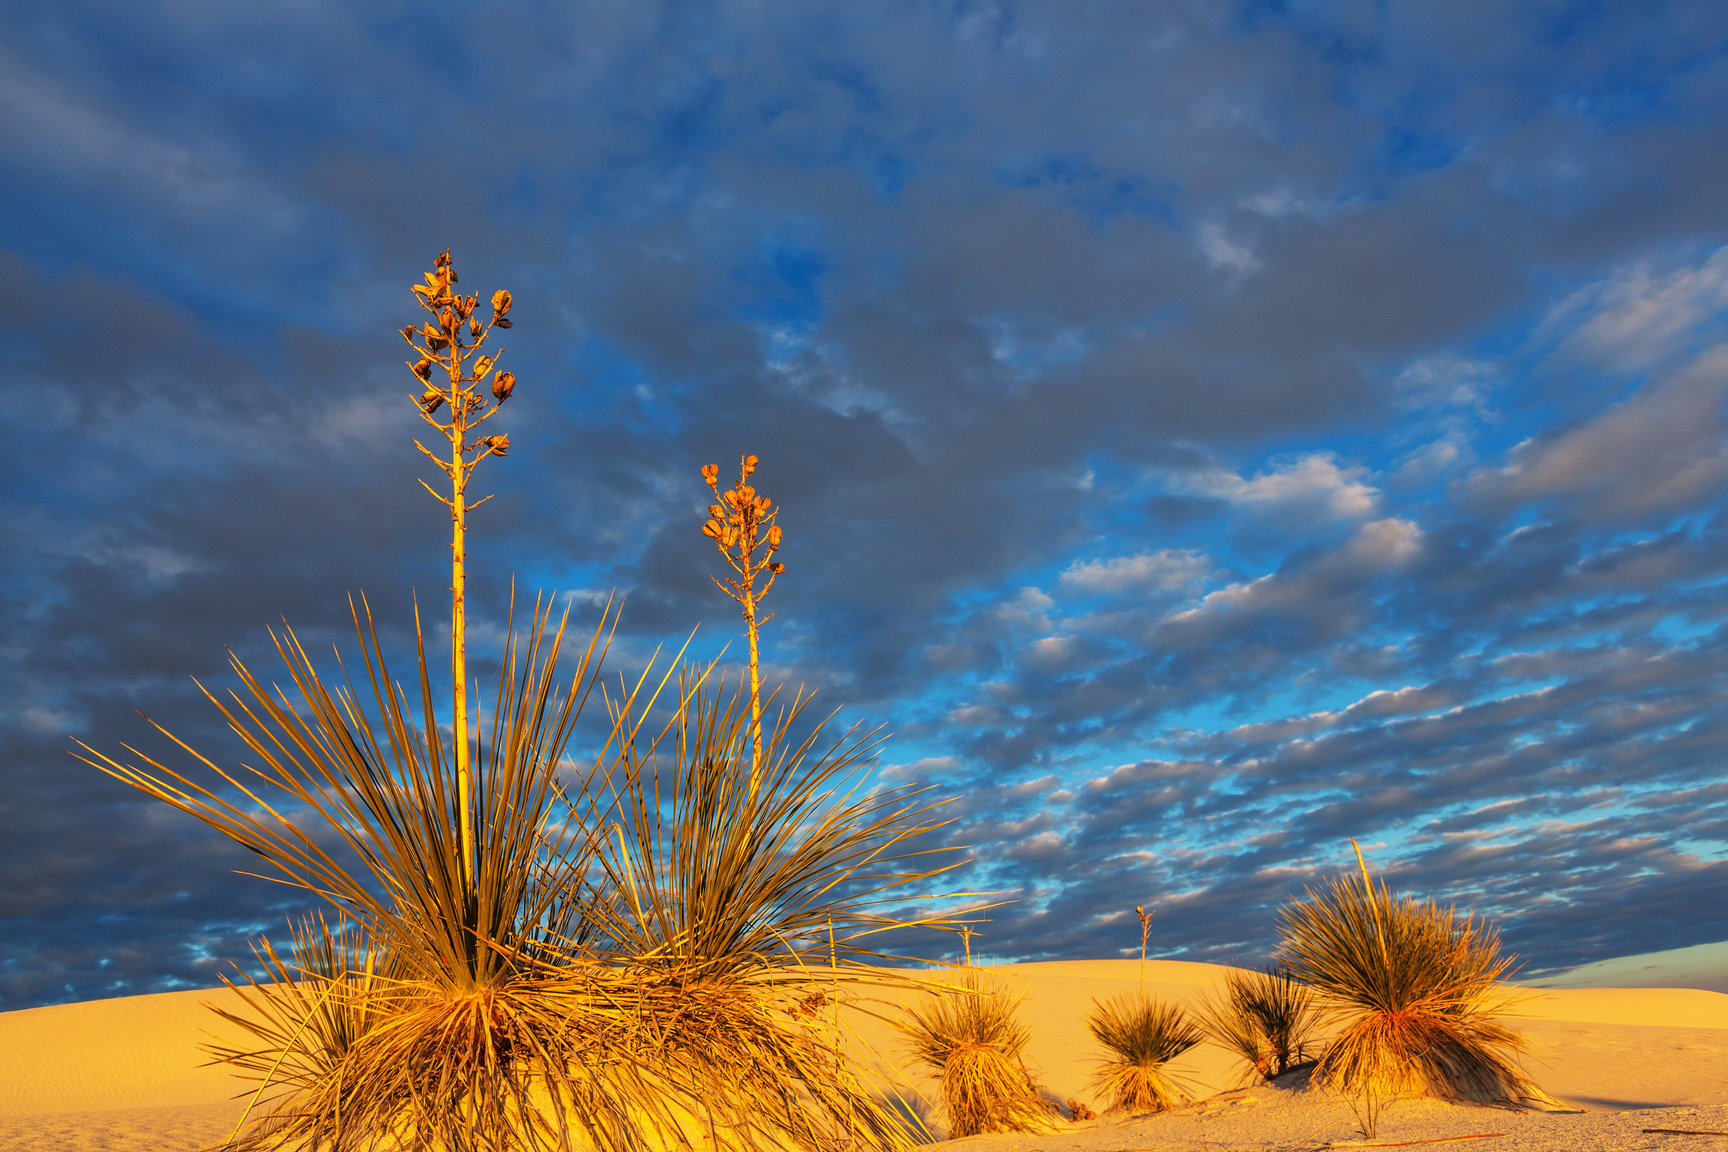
x=742 y=526
x=1416 y=991
x=451 y=368
x=613 y=959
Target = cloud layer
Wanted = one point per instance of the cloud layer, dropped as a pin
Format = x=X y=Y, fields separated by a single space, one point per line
x=1205 y=433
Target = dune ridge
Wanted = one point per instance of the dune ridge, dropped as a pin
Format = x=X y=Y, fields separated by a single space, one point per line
x=127 y=1074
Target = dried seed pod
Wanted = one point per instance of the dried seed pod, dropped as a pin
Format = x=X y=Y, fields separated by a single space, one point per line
x=711 y=530
x=711 y=473
x=423 y=369
x=500 y=445
x=503 y=385
x=431 y=333
x=776 y=567
x=501 y=302
x=431 y=400
x=474 y=329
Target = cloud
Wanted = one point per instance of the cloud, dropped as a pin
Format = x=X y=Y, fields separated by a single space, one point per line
x=1167 y=570
x=1312 y=483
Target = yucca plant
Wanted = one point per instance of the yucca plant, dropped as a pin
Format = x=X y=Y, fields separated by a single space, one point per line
x=304 y=1019
x=1414 y=988
x=749 y=901
x=529 y=953
x=480 y=1008
x=1264 y=1017
x=1141 y=1034
x=968 y=1034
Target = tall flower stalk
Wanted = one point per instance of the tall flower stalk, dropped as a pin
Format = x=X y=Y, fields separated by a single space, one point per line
x=742 y=526
x=450 y=364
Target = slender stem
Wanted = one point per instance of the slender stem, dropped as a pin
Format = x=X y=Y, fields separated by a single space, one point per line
x=459 y=613
x=755 y=676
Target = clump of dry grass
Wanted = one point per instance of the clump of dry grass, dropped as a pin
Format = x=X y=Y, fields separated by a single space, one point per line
x=969 y=1034
x=1142 y=1035
x=1265 y=1018
x=1415 y=989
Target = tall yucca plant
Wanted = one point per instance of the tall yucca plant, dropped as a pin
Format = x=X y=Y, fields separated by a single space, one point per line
x=475 y=1005
x=614 y=960
x=1415 y=988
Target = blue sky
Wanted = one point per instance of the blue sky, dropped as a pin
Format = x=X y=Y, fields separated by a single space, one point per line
x=1205 y=433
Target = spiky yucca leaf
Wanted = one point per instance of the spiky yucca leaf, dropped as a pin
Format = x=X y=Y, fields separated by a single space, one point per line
x=969 y=1035
x=1415 y=989
x=1141 y=1034
x=1264 y=1017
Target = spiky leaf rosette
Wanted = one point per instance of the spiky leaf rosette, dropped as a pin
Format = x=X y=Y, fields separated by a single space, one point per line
x=1141 y=1034
x=1414 y=988
x=486 y=1029
x=969 y=1035
x=1264 y=1017
x=749 y=903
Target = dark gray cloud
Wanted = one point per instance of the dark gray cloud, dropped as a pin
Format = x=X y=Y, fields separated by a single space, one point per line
x=1205 y=433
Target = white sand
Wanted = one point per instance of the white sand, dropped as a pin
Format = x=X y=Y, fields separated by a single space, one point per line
x=123 y=1075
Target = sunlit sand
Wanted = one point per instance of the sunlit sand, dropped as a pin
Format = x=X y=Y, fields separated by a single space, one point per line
x=124 y=1074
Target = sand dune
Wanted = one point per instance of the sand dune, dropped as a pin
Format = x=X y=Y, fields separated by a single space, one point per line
x=124 y=1075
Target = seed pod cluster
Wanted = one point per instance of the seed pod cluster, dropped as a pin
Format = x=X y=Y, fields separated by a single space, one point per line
x=741 y=522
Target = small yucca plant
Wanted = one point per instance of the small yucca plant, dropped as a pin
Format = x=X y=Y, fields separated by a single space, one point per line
x=969 y=1035
x=1264 y=1017
x=1415 y=989
x=1141 y=1034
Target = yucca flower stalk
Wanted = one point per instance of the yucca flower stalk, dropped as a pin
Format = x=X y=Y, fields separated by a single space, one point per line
x=449 y=363
x=1141 y=911
x=1416 y=989
x=742 y=526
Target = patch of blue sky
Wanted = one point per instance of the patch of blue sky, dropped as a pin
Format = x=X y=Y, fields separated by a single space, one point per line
x=782 y=283
x=1029 y=353
x=608 y=370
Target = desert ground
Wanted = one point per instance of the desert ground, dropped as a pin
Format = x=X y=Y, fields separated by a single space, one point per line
x=124 y=1075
